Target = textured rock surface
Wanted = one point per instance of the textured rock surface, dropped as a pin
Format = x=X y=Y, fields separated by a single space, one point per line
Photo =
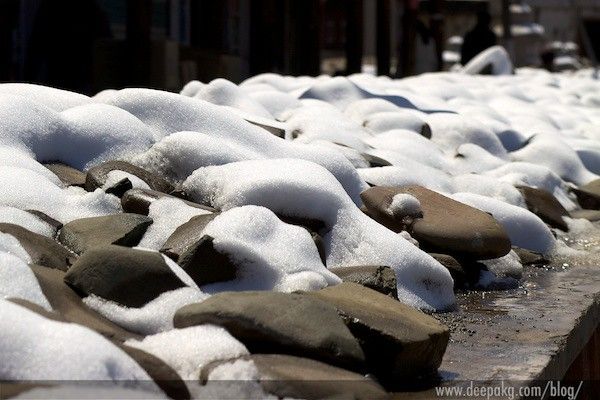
x=42 y=250
x=124 y=229
x=127 y=276
x=399 y=342
x=271 y=322
x=447 y=226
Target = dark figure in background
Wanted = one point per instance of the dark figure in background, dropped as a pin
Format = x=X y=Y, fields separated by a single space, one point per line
x=61 y=45
x=478 y=39
x=9 y=12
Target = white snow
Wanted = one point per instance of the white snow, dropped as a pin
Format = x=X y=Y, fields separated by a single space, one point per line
x=25 y=189
x=16 y=278
x=306 y=190
x=168 y=214
x=188 y=350
x=404 y=204
x=36 y=348
x=27 y=220
x=524 y=228
x=271 y=255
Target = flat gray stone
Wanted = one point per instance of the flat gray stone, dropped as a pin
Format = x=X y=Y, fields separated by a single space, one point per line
x=42 y=250
x=399 y=342
x=273 y=322
x=301 y=378
x=122 y=229
x=447 y=226
x=127 y=276
x=379 y=278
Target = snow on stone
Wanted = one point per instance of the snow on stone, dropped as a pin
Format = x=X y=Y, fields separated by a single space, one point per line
x=270 y=254
x=155 y=316
x=115 y=176
x=16 y=278
x=56 y=99
x=167 y=214
x=524 y=228
x=303 y=189
x=168 y=113
x=36 y=348
x=188 y=350
x=27 y=190
x=27 y=220
x=495 y=56
x=404 y=204
x=11 y=157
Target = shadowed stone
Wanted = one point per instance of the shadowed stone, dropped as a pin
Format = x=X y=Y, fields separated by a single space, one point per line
x=544 y=205
x=127 y=276
x=379 y=278
x=206 y=265
x=67 y=175
x=186 y=235
x=588 y=195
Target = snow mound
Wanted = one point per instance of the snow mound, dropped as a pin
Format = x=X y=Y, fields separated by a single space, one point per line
x=188 y=350
x=35 y=348
x=167 y=113
x=16 y=278
x=27 y=190
x=270 y=254
x=56 y=99
x=11 y=215
x=525 y=229
x=404 y=204
x=305 y=190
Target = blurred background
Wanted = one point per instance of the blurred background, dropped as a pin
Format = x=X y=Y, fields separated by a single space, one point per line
x=90 y=45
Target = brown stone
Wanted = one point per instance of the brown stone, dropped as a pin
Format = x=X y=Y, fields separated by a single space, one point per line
x=543 y=204
x=122 y=229
x=447 y=226
x=588 y=195
x=67 y=175
x=138 y=201
x=379 y=278
x=186 y=235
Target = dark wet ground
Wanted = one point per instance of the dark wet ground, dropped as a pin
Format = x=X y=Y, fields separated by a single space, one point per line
x=531 y=332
